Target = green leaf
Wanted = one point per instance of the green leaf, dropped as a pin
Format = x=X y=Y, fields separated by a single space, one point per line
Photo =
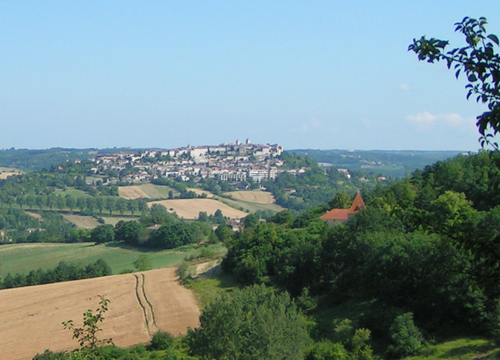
x=493 y=38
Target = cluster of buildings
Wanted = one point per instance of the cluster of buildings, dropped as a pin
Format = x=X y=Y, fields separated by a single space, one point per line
x=234 y=162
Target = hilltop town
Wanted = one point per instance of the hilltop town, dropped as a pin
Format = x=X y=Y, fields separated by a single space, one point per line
x=224 y=162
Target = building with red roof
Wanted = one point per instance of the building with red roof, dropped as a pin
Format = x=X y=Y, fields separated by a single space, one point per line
x=335 y=216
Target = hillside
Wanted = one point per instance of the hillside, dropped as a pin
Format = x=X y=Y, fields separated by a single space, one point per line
x=141 y=304
x=382 y=162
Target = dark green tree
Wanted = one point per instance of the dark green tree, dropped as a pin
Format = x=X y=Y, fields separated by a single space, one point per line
x=253 y=323
x=102 y=234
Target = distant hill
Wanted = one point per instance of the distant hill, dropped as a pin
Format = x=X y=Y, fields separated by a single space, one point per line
x=380 y=162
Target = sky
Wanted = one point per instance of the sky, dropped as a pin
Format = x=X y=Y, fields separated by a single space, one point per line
x=165 y=74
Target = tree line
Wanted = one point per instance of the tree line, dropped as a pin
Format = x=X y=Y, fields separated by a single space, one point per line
x=62 y=272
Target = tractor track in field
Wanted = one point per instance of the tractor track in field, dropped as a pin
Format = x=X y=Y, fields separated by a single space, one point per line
x=145 y=304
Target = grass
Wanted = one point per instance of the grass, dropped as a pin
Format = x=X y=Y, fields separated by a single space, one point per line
x=22 y=258
x=71 y=192
x=207 y=289
x=157 y=191
x=459 y=349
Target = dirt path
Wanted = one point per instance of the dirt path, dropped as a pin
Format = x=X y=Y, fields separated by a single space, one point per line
x=141 y=303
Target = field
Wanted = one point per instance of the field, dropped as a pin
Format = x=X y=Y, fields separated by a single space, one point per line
x=249 y=206
x=22 y=258
x=84 y=222
x=5 y=172
x=141 y=303
x=255 y=196
x=190 y=208
x=201 y=192
x=145 y=191
x=71 y=192
x=132 y=192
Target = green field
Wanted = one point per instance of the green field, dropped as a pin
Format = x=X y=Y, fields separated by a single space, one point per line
x=22 y=258
x=71 y=192
x=158 y=191
x=459 y=349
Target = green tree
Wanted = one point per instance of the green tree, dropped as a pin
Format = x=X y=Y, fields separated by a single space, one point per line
x=406 y=337
x=102 y=234
x=480 y=64
x=143 y=263
x=128 y=231
x=70 y=202
x=110 y=204
x=341 y=200
x=250 y=220
x=121 y=205
x=253 y=323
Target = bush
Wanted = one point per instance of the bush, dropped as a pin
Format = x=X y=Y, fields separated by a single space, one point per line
x=161 y=340
x=405 y=335
x=253 y=323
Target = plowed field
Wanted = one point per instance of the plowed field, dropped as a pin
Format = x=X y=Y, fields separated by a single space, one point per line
x=141 y=303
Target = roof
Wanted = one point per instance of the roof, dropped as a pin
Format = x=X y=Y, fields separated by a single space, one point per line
x=343 y=214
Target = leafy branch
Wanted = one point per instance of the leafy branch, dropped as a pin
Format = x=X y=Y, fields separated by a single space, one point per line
x=87 y=333
x=480 y=64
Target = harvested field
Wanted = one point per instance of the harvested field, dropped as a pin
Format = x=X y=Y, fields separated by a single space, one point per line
x=132 y=192
x=35 y=215
x=6 y=174
x=190 y=208
x=84 y=222
x=255 y=196
x=141 y=303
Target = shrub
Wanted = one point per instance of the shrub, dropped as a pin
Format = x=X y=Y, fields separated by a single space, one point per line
x=405 y=335
x=161 y=340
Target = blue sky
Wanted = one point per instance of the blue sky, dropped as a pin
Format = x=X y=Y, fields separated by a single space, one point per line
x=304 y=74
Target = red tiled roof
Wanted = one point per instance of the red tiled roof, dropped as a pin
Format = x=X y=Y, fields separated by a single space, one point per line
x=336 y=214
x=343 y=214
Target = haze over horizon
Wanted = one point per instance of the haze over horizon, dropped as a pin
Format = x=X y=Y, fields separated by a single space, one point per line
x=164 y=74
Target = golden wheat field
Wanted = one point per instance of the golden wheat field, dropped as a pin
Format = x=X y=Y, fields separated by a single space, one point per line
x=132 y=192
x=255 y=196
x=190 y=208
x=141 y=303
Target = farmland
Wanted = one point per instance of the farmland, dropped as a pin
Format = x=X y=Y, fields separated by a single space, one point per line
x=141 y=303
x=22 y=258
x=84 y=222
x=191 y=208
x=255 y=196
x=145 y=191
x=132 y=192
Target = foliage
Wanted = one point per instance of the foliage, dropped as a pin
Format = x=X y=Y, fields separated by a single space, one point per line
x=86 y=335
x=142 y=263
x=161 y=340
x=479 y=63
x=62 y=272
x=405 y=335
x=253 y=323
x=102 y=234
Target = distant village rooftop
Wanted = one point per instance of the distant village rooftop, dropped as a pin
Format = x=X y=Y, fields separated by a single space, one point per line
x=342 y=215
